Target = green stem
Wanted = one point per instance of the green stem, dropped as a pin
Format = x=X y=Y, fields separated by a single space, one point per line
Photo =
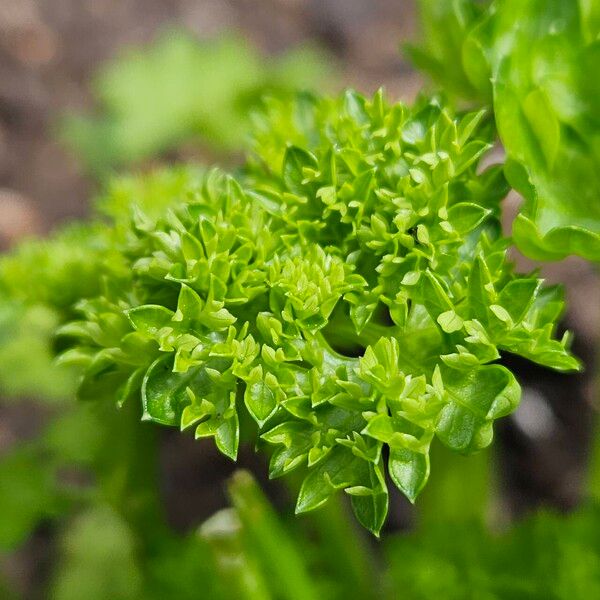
x=127 y=471
x=238 y=570
x=345 y=551
x=285 y=566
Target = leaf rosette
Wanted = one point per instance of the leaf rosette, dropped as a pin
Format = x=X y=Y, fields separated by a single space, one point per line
x=350 y=291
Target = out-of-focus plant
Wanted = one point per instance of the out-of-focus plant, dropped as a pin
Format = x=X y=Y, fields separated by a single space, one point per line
x=26 y=359
x=40 y=282
x=251 y=551
x=181 y=89
x=533 y=62
x=91 y=475
x=547 y=555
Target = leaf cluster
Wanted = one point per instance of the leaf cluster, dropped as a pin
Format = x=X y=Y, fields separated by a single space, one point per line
x=531 y=60
x=343 y=302
x=42 y=279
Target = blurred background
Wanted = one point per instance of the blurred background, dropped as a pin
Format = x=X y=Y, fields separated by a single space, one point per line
x=89 y=88
x=50 y=51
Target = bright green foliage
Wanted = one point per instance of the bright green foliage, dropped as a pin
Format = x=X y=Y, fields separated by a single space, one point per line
x=536 y=59
x=547 y=105
x=41 y=280
x=26 y=360
x=56 y=272
x=452 y=52
x=351 y=293
x=180 y=89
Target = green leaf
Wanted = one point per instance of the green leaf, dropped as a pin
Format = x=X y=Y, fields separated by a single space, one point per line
x=370 y=503
x=164 y=393
x=295 y=437
x=189 y=304
x=212 y=410
x=227 y=437
x=449 y=321
x=101 y=380
x=260 y=396
x=131 y=388
x=474 y=399
x=295 y=161
x=517 y=296
x=336 y=472
x=466 y=216
x=409 y=471
x=150 y=319
x=434 y=297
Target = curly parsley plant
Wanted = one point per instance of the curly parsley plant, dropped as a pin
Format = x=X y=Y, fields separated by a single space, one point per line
x=350 y=291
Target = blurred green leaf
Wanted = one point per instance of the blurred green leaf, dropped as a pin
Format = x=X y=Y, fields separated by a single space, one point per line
x=182 y=89
x=548 y=115
x=29 y=493
x=98 y=559
x=451 y=51
x=277 y=552
x=537 y=59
